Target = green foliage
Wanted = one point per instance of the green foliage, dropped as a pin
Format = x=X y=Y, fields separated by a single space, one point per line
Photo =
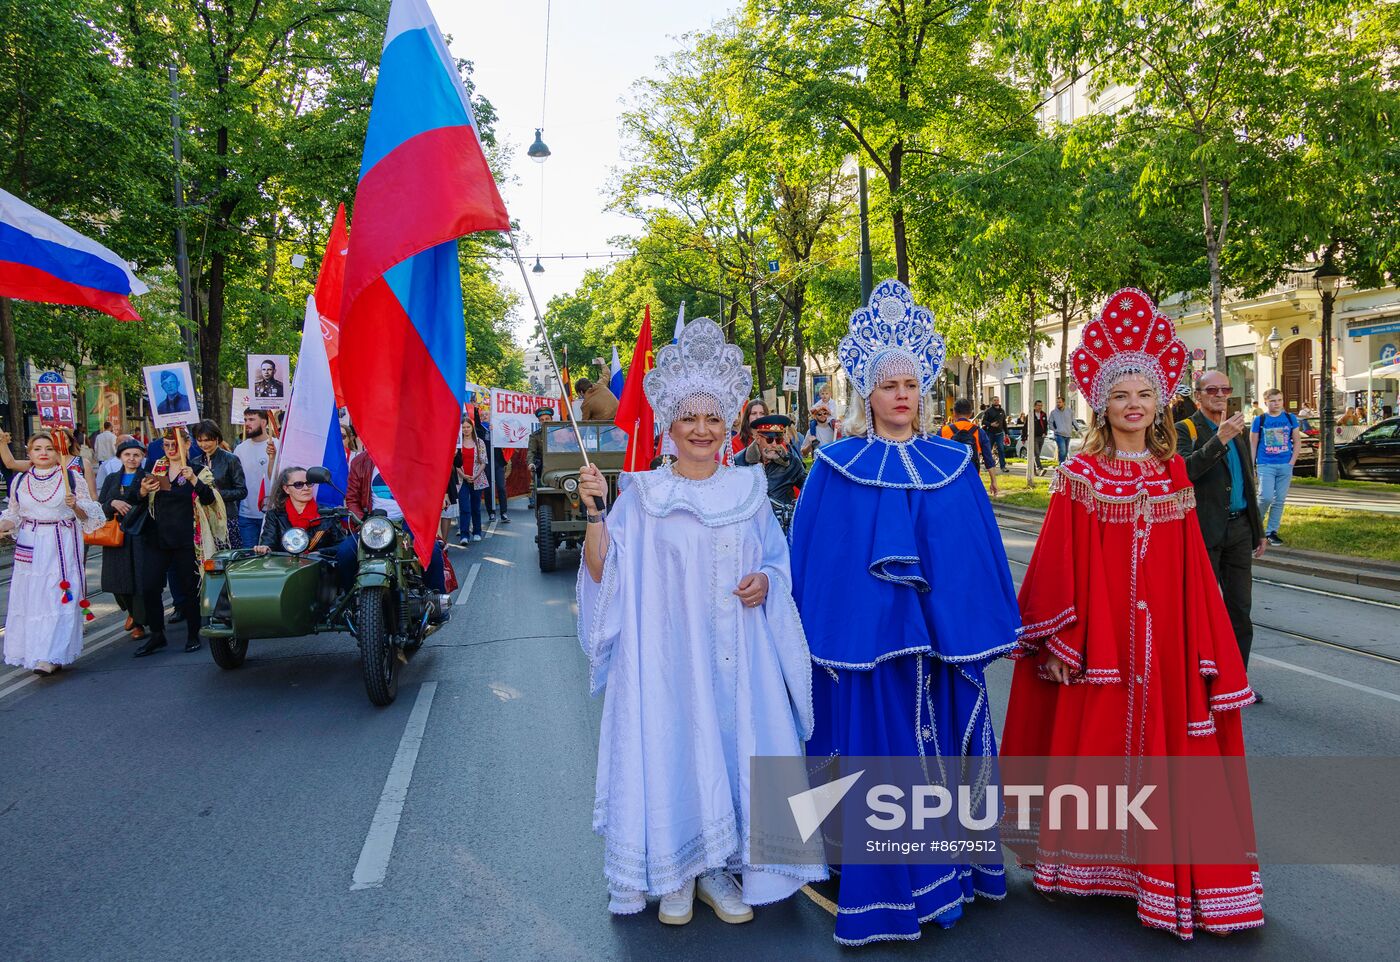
x=274 y=99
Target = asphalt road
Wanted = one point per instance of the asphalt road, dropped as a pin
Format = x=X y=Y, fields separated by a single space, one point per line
x=162 y=809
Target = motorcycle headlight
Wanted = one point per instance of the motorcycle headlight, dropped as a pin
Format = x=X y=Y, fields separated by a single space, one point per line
x=295 y=540
x=571 y=485
x=377 y=533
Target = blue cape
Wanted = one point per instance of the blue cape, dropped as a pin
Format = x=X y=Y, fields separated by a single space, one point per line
x=895 y=551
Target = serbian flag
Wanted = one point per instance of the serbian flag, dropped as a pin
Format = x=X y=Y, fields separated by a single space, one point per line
x=424 y=182
x=634 y=414
x=329 y=287
x=41 y=259
x=311 y=433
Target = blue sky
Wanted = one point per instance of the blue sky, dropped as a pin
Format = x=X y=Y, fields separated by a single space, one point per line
x=597 y=49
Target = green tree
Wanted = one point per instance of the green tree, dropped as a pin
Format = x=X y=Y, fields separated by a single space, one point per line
x=903 y=84
x=1210 y=84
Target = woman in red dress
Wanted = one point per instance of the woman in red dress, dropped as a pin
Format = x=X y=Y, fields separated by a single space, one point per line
x=1127 y=649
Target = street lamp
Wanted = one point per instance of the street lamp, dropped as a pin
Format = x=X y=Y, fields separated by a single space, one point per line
x=539 y=151
x=1327 y=279
x=538 y=268
x=1275 y=341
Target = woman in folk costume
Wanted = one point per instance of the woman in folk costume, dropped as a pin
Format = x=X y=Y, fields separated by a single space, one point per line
x=686 y=615
x=905 y=594
x=1128 y=650
x=48 y=515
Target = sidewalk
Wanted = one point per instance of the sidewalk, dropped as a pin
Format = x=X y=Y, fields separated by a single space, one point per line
x=1334 y=567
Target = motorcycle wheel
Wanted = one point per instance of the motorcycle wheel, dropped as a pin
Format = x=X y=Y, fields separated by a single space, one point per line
x=549 y=549
x=228 y=652
x=378 y=658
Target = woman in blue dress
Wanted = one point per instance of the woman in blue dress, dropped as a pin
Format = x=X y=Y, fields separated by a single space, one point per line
x=904 y=591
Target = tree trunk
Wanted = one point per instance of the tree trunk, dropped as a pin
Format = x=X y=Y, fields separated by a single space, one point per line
x=799 y=347
x=14 y=388
x=211 y=339
x=1063 y=390
x=759 y=354
x=895 y=179
x=269 y=273
x=1028 y=392
x=1215 y=242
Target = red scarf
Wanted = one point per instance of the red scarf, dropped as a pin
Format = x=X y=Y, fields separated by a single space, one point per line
x=309 y=518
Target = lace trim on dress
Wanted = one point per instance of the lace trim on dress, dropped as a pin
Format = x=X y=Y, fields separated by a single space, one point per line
x=917 y=446
x=599 y=658
x=1122 y=500
x=728 y=496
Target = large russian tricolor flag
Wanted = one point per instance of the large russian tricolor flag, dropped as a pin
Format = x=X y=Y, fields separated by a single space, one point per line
x=424 y=182
x=42 y=259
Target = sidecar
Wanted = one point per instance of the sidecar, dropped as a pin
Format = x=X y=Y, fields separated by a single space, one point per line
x=276 y=595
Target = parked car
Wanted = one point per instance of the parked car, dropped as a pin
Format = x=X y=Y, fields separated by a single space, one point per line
x=1374 y=455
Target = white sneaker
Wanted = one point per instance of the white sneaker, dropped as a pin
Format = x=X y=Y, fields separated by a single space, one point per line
x=678 y=907
x=720 y=893
x=476 y=538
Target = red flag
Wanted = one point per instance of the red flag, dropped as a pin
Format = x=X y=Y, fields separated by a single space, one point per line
x=328 y=288
x=634 y=414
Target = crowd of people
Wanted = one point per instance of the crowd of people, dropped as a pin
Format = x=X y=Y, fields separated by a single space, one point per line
x=1125 y=643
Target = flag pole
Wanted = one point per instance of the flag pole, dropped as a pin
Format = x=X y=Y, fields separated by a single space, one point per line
x=548 y=345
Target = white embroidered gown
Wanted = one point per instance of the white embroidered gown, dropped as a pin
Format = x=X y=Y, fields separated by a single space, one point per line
x=39 y=626
x=697 y=683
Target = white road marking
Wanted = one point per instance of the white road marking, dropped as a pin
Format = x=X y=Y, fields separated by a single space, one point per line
x=1325 y=677
x=467 y=585
x=89 y=646
x=384 y=827
x=499 y=561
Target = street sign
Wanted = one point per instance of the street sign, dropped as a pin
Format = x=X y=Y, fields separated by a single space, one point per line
x=791 y=377
x=1387 y=352
x=772 y=267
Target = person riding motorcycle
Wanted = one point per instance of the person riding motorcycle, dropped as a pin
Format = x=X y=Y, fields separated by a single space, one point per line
x=294 y=505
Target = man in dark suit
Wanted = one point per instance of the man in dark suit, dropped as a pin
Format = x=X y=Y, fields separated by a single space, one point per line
x=175 y=400
x=267 y=384
x=1216 y=450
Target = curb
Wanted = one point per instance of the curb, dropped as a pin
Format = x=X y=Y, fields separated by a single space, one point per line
x=1367 y=572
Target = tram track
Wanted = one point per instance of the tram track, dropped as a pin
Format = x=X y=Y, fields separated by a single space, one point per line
x=1289 y=632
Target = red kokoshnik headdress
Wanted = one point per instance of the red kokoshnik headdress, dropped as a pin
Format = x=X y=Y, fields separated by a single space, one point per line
x=1130 y=336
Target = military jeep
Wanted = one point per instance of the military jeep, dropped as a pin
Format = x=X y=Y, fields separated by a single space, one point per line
x=560 y=520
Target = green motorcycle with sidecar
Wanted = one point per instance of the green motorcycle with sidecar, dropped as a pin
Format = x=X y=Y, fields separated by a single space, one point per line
x=292 y=592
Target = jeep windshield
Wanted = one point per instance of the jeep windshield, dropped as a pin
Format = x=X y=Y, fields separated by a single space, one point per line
x=596 y=437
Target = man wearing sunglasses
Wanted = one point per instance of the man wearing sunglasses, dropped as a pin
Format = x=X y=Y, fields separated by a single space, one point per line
x=1216 y=450
x=781 y=461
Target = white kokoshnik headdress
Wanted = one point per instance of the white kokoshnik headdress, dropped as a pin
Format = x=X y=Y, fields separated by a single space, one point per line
x=699 y=374
x=891 y=336
x=1129 y=336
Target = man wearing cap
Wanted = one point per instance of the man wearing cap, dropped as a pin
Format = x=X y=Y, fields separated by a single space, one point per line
x=781 y=460
x=535 y=451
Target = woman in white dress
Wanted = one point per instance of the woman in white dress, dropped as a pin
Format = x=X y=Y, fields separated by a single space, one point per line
x=48 y=591
x=686 y=615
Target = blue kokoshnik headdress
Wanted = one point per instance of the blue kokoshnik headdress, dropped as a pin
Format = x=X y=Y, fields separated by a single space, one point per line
x=891 y=336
